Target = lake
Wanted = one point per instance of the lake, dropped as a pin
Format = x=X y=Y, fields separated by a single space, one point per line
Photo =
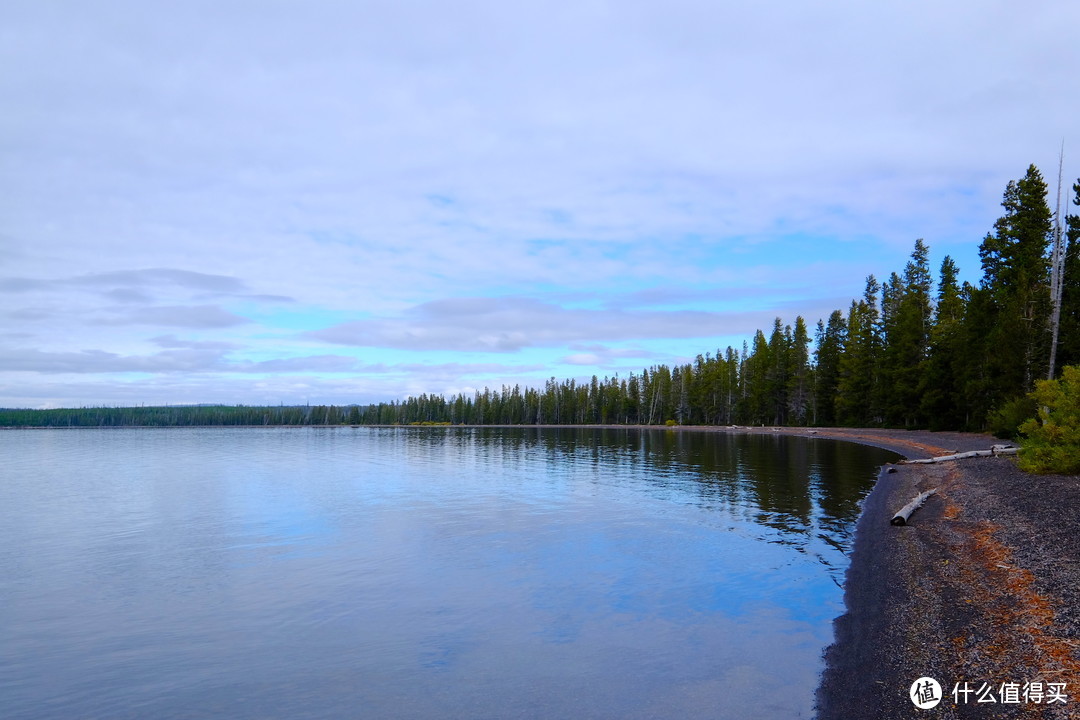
x=420 y=572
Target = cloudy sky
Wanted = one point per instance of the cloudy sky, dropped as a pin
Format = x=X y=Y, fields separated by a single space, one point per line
x=337 y=201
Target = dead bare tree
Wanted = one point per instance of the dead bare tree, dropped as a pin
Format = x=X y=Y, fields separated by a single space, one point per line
x=1057 y=271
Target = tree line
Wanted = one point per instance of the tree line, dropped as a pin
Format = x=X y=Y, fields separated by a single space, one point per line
x=912 y=352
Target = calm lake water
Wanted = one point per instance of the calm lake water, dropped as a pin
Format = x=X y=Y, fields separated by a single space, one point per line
x=420 y=573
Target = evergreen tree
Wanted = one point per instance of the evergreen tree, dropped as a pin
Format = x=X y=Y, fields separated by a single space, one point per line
x=907 y=339
x=680 y=398
x=758 y=374
x=800 y=380
x=858 y=392
x=975 y=369
x=778 y=372
x=1016 y=280
x=733 y=367
x=940 y=386
x=632 y=401
x=1069 y=331
x=830 y=340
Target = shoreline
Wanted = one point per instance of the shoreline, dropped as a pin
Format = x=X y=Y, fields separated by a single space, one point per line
x=980 y=590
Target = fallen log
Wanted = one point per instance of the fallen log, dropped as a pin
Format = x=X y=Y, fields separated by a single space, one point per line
x=995 y=450
x=902 y=515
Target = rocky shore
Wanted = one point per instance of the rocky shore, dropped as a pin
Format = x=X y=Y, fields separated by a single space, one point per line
x=980 y=591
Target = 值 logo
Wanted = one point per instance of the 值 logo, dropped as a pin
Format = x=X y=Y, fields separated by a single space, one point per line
x=925 y=693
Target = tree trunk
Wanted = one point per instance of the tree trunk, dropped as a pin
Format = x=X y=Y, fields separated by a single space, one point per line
x=901 y=517
x=995 y=450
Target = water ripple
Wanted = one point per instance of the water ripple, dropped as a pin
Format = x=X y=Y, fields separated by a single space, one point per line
x=424 y=573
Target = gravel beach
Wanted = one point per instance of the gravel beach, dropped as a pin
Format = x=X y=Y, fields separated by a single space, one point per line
x=980 y=591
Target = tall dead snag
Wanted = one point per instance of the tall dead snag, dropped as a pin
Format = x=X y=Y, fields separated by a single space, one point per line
x=1057 y=272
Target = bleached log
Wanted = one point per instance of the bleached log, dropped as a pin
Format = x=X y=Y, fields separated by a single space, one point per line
x=901 y=517
x=995 y=450
x=946 y=458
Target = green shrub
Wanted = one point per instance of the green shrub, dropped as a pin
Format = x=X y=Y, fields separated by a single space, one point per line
x=1051 y=441
x=1005 y=422
x=671 y=423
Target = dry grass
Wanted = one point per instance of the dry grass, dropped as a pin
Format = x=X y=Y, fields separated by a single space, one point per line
x=1016 y=626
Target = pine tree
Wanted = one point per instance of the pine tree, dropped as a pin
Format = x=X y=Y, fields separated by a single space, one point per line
x=733 y=367
x=830 y=339
x=907 y=339
x=974 y=369
x=778 y=372
x=758 y=374
x=800 y=379
x=1069 y=331
x=940 y=386
x=858 y=392
x=1016 y=279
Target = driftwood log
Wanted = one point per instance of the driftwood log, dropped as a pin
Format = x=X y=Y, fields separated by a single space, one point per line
x=901 y=517
x=995 y=450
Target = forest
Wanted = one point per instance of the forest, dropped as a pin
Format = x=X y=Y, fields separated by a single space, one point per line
x=912 y=352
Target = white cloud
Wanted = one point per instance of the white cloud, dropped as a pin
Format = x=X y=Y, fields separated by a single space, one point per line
x=171 y=341
x=509 y=324
x=160 y=276
x=683 y=166
x=192 y=316
x=594 y=355
x=99 y=361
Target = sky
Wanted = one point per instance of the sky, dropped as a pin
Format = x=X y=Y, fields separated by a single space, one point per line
x=344 y=201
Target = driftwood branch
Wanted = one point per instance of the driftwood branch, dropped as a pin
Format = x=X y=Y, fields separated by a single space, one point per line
x=995 y=450
x=901 y=517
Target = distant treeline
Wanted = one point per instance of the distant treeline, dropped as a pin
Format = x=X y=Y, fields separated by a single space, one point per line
x=910 y=353
x=178 y=416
